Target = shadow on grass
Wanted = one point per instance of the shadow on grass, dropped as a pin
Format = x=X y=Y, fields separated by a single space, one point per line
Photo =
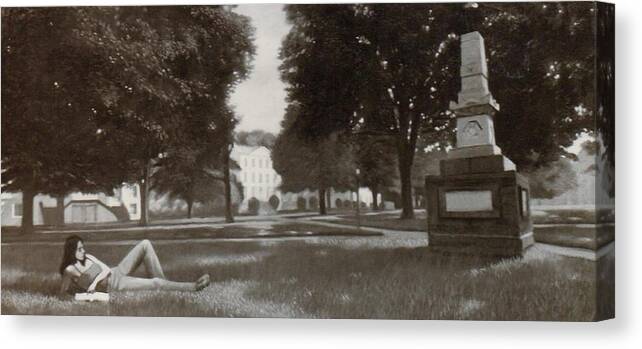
x=418 y=284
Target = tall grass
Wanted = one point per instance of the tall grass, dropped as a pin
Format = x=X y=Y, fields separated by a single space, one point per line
x=341 y=277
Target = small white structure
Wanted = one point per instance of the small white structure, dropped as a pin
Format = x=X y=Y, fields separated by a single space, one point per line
x=80 y=208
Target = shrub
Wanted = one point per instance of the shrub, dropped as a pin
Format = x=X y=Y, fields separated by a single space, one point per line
x=253 y=206
x=300 y=204
x=314 y=203
x=274 y=202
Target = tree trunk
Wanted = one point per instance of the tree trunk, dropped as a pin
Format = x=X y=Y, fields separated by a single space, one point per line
x=60 y=210
x=144 y=194
x=405 y=172
x=375 y=202
x=328 y=196
x=322 y=207
x=229 y=217
x=409 y=124
x=27 y=211
x=190 y=203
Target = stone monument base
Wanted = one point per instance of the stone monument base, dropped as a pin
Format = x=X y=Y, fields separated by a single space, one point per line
x=479 y=206
x=476 y=245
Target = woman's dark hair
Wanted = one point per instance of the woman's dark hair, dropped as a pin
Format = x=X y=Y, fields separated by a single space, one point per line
x=69 y=253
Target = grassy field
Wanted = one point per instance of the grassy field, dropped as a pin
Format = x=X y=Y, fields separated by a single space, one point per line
x=324 y=277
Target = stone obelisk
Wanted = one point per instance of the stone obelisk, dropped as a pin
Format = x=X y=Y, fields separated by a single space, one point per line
x=478 y=203
x=475 y=107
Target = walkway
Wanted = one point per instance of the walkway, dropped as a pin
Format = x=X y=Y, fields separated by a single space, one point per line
x=416 y=238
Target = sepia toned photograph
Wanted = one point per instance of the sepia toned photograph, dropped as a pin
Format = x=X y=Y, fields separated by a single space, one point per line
x=425 y=161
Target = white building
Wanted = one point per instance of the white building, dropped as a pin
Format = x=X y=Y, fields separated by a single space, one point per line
x=79 y=208
x=256 y=174
x=261 y=181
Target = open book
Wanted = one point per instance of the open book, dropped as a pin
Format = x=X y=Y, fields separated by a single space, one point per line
x=92 y=297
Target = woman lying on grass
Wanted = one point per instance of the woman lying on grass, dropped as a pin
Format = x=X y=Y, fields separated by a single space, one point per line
x=90 y=274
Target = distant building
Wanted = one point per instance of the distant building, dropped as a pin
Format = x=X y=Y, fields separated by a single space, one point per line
x=261 y=182
x=79 y=208
x=257 y=175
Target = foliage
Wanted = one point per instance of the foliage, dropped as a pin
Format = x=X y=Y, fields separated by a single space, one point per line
x=183 y=176
x=183 y=63
x=312 y=163
x=552 y=179
x=126 y=84
x=370 y=69
x=377 y=163
x=391 y=69
x=256 y=138
x=605 y=103
x=253 y=206
x=541 y=72
x=274 y=202
x=52 y=141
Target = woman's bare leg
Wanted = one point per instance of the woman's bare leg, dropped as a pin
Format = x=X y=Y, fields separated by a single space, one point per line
x=129 y=283
x=142 y=253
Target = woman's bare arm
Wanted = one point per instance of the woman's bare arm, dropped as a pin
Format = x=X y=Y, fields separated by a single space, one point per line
x=66 y=282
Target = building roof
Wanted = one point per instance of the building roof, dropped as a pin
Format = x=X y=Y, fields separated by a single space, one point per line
x=239 y=150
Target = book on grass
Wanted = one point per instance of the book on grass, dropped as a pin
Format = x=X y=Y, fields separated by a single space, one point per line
x=92 y=297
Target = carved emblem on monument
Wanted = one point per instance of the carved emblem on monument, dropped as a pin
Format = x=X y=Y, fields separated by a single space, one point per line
x=472 y=129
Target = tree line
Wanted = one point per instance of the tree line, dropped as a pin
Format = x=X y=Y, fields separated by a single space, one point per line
x=94 y=97
x=369 y=87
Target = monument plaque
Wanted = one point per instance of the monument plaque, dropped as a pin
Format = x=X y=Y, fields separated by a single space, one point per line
x=469 y=200
x=478 y=203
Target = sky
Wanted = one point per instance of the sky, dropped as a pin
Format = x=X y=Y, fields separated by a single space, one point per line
x=260 y=100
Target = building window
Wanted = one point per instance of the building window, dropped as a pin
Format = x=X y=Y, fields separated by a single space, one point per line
x=260 y=163
x=134 y=191
x=253 y=163
x=133 y=208
x=17 y=210
x=260 y=178
x=253 y=178
x=244 y=177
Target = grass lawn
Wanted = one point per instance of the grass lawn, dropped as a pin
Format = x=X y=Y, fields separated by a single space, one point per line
x=324 y=277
